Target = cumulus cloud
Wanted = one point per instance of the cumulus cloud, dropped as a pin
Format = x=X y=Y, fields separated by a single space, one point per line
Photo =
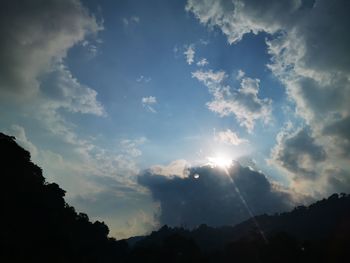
x=189 y=54
x=33 y=77
x=314 y=67
x=207 y=195
x=298 y=153
x=240 y=74
x=236 y=18
x=229 y=137
x=243 y=103
x=37 y=34
x=148 y=103
x=339 y=132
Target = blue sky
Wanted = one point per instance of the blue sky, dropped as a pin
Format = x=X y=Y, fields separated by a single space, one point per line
x=102 y=91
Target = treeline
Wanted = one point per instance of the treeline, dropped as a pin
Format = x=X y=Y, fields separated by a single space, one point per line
x=37 y=225
x=317 y=233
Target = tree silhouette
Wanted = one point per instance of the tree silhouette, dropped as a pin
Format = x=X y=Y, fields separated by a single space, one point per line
x=37 y=225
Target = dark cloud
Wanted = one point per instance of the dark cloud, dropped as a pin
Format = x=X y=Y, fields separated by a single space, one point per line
x=209 y=196
x=339 y=131
x=338 y=180
x=298 y=152
x=34 y=35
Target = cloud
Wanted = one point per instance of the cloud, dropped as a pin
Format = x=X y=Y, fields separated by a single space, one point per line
x=143 y=79
x=236 y=18
x=240 y=74
x=137 y=217
x=177 y=168
x=313 y=66
x=91 y=47
x=33 y=77
x=127 y=21
x=36 y=36
x=147 y=102
x=298 y=153
x=338 y=180
x=130 y=146
x=339 y=133
x=229 y=137
x=243 y=103
x=208 y=196
x=62 y=90
x=202 y=62
x=209 y=77
x=189 y=54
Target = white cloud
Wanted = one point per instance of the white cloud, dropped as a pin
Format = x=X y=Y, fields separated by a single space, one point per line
x=209 y=77
x=240 y=74
x=202 y=62
x=229 y=137
x=243 y=103
x=147 y=102
x=189 y=54
x=131 y=146
x=236 y=18
x=91 y=47
x=177 y=168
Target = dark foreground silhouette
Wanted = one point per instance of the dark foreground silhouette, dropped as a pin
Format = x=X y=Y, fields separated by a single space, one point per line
x=37 y=225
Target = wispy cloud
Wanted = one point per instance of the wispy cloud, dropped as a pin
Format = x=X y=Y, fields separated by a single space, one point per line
x=143 y=79
x=229 y=137
x=127 y=21
x=189 y=54
x=149 y=102
x=202 y=62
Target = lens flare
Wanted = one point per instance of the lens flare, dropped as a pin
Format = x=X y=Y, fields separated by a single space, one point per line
x=220 y=161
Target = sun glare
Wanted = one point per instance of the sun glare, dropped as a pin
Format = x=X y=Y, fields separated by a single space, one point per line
x=220 y=161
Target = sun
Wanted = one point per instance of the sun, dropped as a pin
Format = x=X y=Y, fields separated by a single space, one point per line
x=220 y=161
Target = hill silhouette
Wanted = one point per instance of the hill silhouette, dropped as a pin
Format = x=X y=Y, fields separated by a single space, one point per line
x=37 y=225
x=317 y=233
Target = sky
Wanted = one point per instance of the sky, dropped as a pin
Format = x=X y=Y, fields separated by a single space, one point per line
x=134 y=107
